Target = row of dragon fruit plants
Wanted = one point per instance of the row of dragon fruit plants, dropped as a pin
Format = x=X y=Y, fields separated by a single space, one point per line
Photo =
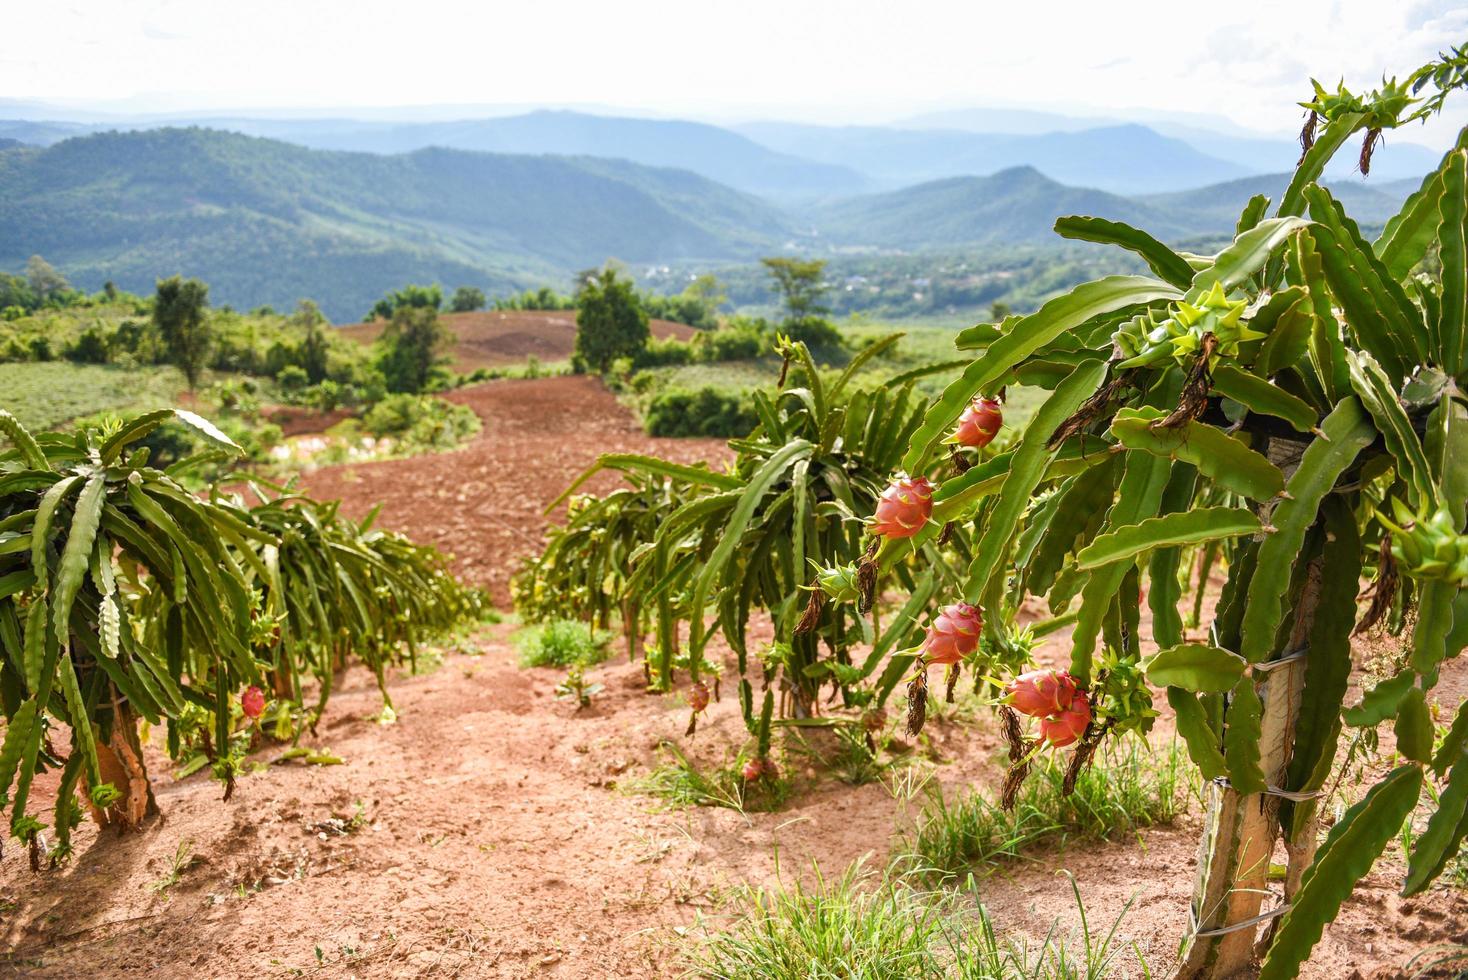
x=126 y=598
x=1288 y=413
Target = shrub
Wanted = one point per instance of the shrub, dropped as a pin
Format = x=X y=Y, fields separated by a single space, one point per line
x=421 y=421
x=736 y=343
x=664 y=353
x=292 y=379
x=411 y=350
x=90 y=347
x=709 y=411
x=817 y=333
x=466 y=299
x=562 y=643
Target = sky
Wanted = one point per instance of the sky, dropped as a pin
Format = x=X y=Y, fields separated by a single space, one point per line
x=1248 y=61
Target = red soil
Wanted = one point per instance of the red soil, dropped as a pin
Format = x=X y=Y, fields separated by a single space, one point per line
x=484 y=504
x=497 y=338
x=497 y=841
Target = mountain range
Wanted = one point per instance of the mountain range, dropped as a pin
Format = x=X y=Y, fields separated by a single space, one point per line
x=270 y=221
x=798 y=163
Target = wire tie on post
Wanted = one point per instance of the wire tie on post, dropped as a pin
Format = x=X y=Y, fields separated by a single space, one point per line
x=1288 y=658
x=1272 y=790
x=1273 y=913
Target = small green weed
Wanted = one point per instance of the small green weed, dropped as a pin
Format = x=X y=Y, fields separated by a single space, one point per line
x=562 y=643
x=1124 y=791
x=680 y=783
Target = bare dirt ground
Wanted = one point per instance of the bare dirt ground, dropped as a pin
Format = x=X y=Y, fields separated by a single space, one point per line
x=496 y=338
x=493 y=832
x=483 y=504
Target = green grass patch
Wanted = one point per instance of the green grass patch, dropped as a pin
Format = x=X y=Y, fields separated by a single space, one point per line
x=562 y=643
x=678 y=783
x=866 y=927
x=45 y=394
x=1129 y=787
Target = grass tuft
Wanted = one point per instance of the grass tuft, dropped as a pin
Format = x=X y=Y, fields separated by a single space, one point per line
x=679 y=783
x=868 y=927
x=562 y=643
x=1125 y=790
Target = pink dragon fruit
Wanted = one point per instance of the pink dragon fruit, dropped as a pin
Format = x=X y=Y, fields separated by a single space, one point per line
x=752 y=770
x=252 y=702
x=979 y=424
x=1069 y=725
x=1041 y=693
x=954 y=634
x=903 y=508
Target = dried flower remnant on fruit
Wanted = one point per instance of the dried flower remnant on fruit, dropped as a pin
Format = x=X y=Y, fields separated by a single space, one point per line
x=917 y=703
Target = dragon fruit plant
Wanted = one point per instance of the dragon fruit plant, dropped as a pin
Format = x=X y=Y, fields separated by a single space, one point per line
x=1293 y=410
x=782 y=530
x=126 y=598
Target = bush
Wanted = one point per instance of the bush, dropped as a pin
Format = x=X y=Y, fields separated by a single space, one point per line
x=410 y=296
x=467 y=299
x=420 y=420
x=664 y=353
x=708 y=411
x=740 y=343
x=817 y=333
x=90 y=347
x=292 y=379
x=562 y=643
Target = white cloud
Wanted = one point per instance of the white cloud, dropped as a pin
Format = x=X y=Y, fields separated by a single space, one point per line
x=855 y=59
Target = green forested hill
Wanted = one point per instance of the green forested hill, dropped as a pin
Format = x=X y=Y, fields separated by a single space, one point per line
x=1012 y=206
x=268 y=222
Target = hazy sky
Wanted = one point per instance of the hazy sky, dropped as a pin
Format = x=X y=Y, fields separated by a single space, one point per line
x=853 y=60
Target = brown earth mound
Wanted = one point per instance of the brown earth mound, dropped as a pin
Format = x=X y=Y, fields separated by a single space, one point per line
x=497 y=338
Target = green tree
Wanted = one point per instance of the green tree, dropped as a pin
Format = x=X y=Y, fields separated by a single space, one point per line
x=802 y=287
x=15 y=291
x=411 y=295
x=412 y=348
x=312 y=323
x=467 y=299
x=181 y=314
x=610 y=320
x=45 y=281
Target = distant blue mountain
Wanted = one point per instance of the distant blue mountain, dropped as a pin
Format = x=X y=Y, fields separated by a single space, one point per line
x=1124 y=159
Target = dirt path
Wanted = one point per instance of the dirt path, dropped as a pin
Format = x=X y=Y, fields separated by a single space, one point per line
x=483 y=504
x=493 y=832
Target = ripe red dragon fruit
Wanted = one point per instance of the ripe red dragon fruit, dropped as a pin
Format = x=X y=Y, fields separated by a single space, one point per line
x=1041 y=693
x=903 y=508
x=769 y=769
x=954 y=634
x=752 y=770
x=253 y=702
x=1069 y=725
x=979 y=423
x=698 y=696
